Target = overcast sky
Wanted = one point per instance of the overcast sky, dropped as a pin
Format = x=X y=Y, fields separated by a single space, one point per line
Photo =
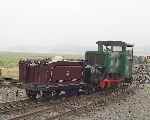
x=61 y=24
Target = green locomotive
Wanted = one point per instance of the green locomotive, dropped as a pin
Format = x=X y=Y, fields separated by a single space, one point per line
x=110 y=65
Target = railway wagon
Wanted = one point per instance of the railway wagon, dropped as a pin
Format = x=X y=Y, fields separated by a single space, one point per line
x=110 y=65
x=51 y=78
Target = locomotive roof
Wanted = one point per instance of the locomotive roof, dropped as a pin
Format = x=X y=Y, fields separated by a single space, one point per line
x=114 y=43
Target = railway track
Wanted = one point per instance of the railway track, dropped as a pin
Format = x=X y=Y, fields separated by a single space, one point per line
x=98 y=101
x=8 y=81
x=75 y=105
x=8 y=107
x=26 y=109
x=23 y=106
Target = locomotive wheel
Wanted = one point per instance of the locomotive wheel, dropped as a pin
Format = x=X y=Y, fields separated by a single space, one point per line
x=89 y=90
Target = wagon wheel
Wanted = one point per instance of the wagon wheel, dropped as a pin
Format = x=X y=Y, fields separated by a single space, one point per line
x=55 y=94
x=31 y=94
x=46 y=95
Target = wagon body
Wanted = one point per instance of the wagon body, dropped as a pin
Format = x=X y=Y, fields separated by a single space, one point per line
x=50 y=75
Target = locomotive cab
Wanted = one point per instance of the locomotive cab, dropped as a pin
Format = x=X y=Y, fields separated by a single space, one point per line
x=110 y=64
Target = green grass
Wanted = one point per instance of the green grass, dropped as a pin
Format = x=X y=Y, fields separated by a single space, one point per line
x=10 y=59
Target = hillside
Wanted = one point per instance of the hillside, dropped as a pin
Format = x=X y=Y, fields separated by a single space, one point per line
x=10 y=59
